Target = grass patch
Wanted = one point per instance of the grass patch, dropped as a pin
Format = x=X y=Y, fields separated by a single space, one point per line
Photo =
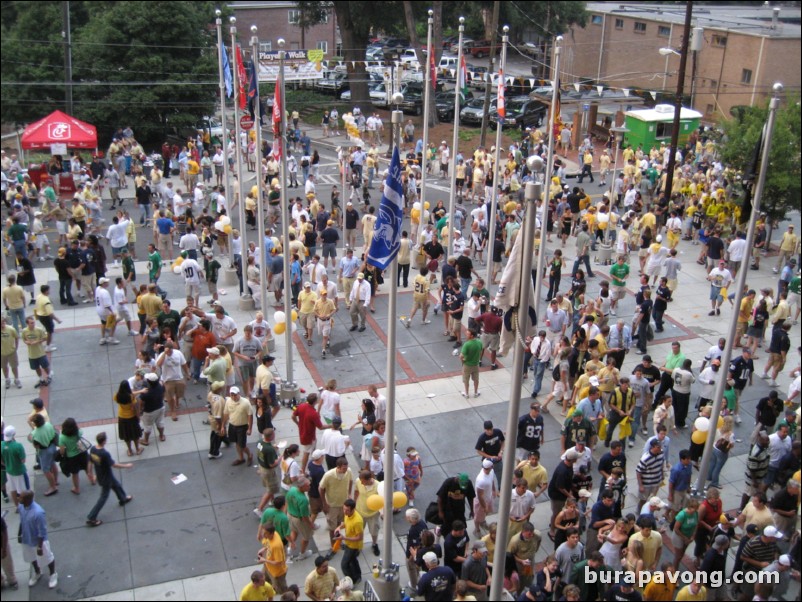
x=466 y=135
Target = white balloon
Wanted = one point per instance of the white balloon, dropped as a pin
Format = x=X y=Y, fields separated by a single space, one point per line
x=225 y=220
x=176 y=269
x=279 y=317
x=416 y=205
x=219 y=226
x=702 y=424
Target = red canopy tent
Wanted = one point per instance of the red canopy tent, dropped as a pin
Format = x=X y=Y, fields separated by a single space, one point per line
x=59 y=128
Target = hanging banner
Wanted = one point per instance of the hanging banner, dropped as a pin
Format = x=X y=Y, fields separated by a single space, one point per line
x=299 y=65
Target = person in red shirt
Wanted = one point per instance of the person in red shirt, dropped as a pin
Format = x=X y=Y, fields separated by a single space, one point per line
x=490 y=321
x=202 y=338
x=308 y=421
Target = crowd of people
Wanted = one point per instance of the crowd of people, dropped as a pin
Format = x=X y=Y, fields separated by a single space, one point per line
x=583 y=344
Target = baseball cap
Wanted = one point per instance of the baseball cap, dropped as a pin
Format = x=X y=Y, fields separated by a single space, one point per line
x=429 y=557
x=212 y=351
x=317 y=454
x=324 y=292
x=594 y=380
x=751 y=529
x=360 y=276
x=463 y=479
x=37 y=403
x=487 y=463
x=152 y=377
x=307 y=285
x=656 y=501
x=784 y=560
x=412 y=452
x=772 y=531
x=234 y=391
x=9 y=432
x=103 y=281
x=583 y=493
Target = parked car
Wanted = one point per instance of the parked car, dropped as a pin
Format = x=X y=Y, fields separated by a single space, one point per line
x=482 y=48
x=479 y=77
x=466 y=42
x=334 y=83
x=376 y=92
x=444 y=104
x=521 y=112
x=413 y=57
x=374 y=53
x=472 y=113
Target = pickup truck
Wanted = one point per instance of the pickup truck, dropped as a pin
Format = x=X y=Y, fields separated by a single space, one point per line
x=482 y=48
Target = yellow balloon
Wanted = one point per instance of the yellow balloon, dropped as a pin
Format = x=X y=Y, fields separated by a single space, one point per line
x=720 y=422
x=415 y=213
x=375 y=502
x=178 y=261
x=399 y=499
x=227 y=228
x=426 y=205
x=294 y=315
x=699 y=437
x=280 y=328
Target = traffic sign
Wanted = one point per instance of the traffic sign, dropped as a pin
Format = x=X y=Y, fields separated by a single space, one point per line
x=246 y=122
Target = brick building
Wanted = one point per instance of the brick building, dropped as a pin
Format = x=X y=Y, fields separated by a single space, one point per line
x=743 y=50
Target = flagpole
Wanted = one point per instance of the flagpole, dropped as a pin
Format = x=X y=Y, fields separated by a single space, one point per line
x=520 y=328
x=257 y=123
x=492 y=218
x=541 y=257
x=226 y=170
x=452 y=184
x=726 y=355
x=238 y=154
x=426 y=99
x=285 y=225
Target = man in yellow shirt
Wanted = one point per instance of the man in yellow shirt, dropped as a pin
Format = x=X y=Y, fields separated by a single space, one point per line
x=43 y=310
x=14 y=302
x=274 y=558
x=306 y=311
x=322 y=582
x=193 y=169
x=604 y=166
x=788 y=246
x=79 y=214
x=257 y=589
x=352 y=531
x=692 y=591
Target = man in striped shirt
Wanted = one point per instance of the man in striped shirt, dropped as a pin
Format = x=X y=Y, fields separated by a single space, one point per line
x=650 y=472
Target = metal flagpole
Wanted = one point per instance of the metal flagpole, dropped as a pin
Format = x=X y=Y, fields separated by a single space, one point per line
x=494 y=197
x=541 y=258
x=257 y=123
x=392 y=322
x=452 y=183
x=532 y=194
x=426 y=100
x=726 y=355
x=226 y=170
x=285 y=225
x=238 y=154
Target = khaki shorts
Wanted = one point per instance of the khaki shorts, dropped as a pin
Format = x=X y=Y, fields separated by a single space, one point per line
x=315 y=507
x=680 y=500
x=672 y=284
x=306 y=320
x=165 y=243
x=324 y=327
x=643 y=252
x=648 y=492
x=420 y=303
x=300 y=526
x=334 y=517
x=619 y=292
x=308 y=449
x=454 y=325
x=123 y=315
x=559 y=391
x=490 y=341
x=192 y=290
x=10 y=361
x=468 y=373
x=175 y=388
x=212 y=288
x=270 y=480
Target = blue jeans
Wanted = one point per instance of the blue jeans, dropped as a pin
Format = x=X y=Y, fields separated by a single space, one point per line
x=21 y=248
x=371 y=173
x=636 y=414
x=465 y=284
x=350 y=564
x=195 y=366
x=716 y=464
x=18 y=318
x=538 y=368
x=583 y=259
x=105 y=488
x=144 y=212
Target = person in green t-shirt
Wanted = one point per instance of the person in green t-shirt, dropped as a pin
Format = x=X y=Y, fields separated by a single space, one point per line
x=618 y=275
x=471 y=355
x=301 y=524
x=211 y=268
x=129 y=269
x=35 y=337
x=14 y=460
x=154 y=264
x=276 y=514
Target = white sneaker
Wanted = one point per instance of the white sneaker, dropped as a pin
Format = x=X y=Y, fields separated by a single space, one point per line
x=773 y=383
x=51 y=348
x=113 y=341
x=764 y=376
x=612 y=312
x=427 y=321
x=305 y=555
x=132 y=333
x=103 y=341
x=737 y=419
x=18 y=383
x=255 y=510
x=33 y=578
x=53 y=581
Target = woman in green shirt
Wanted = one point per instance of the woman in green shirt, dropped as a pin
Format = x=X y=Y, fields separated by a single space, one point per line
x=684 y=530
x=74 y=454
x=44 y=439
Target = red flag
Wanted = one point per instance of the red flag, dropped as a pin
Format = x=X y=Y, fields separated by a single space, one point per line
x=242 y=79
x=432 y=68
x=277 y=111
x=500 y=108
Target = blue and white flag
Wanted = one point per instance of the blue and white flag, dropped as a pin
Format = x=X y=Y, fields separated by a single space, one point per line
x=387 y=230
x=227 y=78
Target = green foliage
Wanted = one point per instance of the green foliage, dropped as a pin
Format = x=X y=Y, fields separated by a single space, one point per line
x=782 y=190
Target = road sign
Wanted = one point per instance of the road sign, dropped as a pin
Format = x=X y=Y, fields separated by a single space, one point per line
x=246 y=122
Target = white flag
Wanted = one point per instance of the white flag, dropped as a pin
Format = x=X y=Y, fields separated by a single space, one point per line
x=508 y=294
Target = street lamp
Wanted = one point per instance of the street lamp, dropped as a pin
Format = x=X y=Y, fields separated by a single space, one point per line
x=668 y=51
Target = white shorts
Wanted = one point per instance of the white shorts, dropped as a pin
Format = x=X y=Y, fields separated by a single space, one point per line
x=61 y=228
x=42 y=241
x=16 y=483
x=29 y=553
x=192 y=290
x=324 y=327
x=123 y=314
x=308 y=449
x=559 y=391
x=793 y=299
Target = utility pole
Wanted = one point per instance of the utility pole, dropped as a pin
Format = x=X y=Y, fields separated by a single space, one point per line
x=489 y=75
x=67 y=35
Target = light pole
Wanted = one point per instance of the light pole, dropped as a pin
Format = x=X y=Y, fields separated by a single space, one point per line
x=452 y=182
x=426 y=101
x=618 y=131
x=492 y=218
x=260 y=227
x=246 y=301
x=226 y=168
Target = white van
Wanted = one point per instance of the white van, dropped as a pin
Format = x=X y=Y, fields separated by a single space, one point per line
x=447 y=65
x=412 y=56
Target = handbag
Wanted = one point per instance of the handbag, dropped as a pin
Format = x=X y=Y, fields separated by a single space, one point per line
x=83 y=444
x=723 y=445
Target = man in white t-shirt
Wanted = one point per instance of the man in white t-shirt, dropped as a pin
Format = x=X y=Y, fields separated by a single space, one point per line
x=174 y=374
x=121 y=306
x=105 y=311
x=720 y=278
x=190 y=243
x=736 y=252
x=485 y=486
x=192 y=274
x=118 y=237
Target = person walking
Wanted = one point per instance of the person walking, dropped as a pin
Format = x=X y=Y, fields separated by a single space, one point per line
x=104 y=463
x=34 y=539
x=351 y=532
x=471 y=356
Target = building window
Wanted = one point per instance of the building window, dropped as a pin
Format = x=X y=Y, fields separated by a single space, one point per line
x=324 y=46
x=746 y=76
x=596 y=19
x=619 y=24
x=640 y=27
x=265 y=46
x=293 y=16
x=338 y=49
x=720 y=41
x=663 y=31
x=713 y=83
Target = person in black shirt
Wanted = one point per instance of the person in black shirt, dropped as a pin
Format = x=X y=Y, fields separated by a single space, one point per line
x=416 y=528
x=768 y=410
x=453 y=305
x=530 y=432
x=644 y=317
x=451 y=498
x=455 y=547
x=498 y=256
x=434 y=251
x=715 y=249
x=152 y=399
x=560 y=486
x=104 y=464
x=742 y=370
x=490 y=446
x=615 y=458
x=662 y=297
x=62 y=265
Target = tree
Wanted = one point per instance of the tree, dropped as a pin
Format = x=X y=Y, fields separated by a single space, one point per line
x=782 y=189
x=156 y=69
